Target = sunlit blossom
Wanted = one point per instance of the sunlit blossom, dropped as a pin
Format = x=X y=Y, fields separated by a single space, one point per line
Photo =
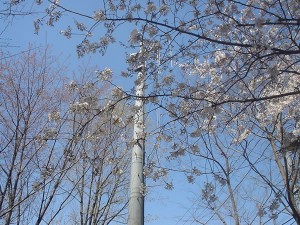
x=54 y=116
x=105 y=74
x=99 y=15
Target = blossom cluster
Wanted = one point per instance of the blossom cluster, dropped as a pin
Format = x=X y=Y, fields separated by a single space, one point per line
x=54 y=116
x=105 y=74
x=99 y=15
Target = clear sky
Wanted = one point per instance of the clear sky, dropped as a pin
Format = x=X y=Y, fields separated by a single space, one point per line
x=162 y=207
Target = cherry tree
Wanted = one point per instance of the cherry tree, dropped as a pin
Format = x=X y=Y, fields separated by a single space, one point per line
x=28 y=91
x=224 y=75
x=100 y=176
x=59 y=152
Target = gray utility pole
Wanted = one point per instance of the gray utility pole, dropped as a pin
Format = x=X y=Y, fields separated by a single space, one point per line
x=137 y=186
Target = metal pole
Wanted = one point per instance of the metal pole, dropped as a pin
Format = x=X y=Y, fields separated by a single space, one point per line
x=136 y=201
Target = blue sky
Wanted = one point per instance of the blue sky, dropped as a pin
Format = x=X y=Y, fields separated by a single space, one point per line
x=162 y=206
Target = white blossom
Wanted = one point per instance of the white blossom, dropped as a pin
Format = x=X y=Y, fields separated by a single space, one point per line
x=195 y=149
x=80 y=26
x=169 y=186
x=190 y=179
x=72 y=86
x=67 y=33
x=220 y=57
x=259 y=22
x=117 y=93
x=105 y=74
x=135 y=37
x=242 y=136
x=151 y=8
x=79 y=107
x=168 y=80
x=117 y=171
x=164 y=9
x=50 y=133
x=99 y=15
x=36 y=186
x=54 y=116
